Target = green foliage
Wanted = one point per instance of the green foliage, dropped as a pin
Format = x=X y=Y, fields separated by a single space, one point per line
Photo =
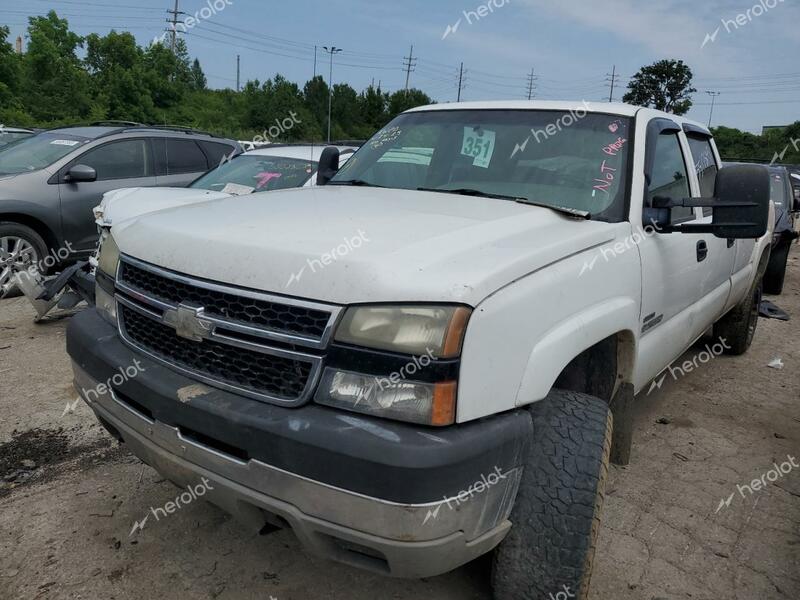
x=665 y=85
x=50 y=86
x=734 y=144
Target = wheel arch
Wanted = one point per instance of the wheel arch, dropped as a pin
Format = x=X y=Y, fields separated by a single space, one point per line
x=39 y=226
x=594 y=352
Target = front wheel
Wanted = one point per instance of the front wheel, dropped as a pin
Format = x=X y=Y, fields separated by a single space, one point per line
x=556 y=516
x=20 y=247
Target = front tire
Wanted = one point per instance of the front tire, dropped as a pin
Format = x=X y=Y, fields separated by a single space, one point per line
x=20 y=247
x=556 y=516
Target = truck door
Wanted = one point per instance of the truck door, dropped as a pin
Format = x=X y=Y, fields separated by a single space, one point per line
x=722 y=253
x=681 y=284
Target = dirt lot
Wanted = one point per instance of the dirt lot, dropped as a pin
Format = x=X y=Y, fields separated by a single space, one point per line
x=69 y=497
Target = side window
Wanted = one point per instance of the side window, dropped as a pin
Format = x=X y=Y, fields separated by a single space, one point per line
x=126 y=159
x=215 y=152
x=670 y=178
x=185 y=156
x=705 y=165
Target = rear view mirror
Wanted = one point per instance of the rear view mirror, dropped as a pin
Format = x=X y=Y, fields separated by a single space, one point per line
x=81 y=173
x=328 y=165
x=740 y=206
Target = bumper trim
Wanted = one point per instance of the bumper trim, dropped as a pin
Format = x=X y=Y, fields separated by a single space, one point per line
x=403 y=540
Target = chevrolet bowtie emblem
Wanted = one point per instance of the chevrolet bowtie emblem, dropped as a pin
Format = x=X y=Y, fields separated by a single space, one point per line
x=188 y=322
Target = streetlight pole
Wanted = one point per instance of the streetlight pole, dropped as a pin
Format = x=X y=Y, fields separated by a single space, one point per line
x=332 y=50
x=713 y=97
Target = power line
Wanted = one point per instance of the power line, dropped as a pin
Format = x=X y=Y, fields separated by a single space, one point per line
x=175 y=12
x=612 y=80
x=531 y=84
x=409 y=63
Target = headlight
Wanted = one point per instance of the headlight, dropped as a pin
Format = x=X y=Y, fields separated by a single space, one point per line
x=109 y=256
x=417 y=330
x=389 y=397
x=107 y=263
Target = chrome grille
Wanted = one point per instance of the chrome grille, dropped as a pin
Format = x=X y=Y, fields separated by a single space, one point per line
x=260 y=345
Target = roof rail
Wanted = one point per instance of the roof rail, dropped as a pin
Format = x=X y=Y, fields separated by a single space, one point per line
x=112 y=123
x=176 y=128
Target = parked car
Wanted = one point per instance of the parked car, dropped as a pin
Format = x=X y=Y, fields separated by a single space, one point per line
x=9 y=135
x=785 y=229
x=50 y=182
x=417 y=362
x=271 y=168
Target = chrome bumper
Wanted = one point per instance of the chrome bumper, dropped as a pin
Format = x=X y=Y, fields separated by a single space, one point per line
x=402 y=540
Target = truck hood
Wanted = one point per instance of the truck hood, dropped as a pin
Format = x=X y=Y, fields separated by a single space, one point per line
x=349 y=245
x=126 y=203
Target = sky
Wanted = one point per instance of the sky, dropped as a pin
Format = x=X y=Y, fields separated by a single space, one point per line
x=746 y=50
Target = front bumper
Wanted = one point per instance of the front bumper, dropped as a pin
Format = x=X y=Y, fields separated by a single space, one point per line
x=401 y=500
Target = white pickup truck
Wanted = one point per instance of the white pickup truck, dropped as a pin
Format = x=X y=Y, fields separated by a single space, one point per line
x=433 y=354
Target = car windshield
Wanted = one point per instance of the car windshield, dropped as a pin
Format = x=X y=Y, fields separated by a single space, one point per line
x=9 y=137
x=37 y=152
x=248 y=173
x=570 y=160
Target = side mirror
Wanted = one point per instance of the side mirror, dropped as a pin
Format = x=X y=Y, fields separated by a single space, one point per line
x=80 y=173
x=328 y=165
x=740 y=205
x=796 y=198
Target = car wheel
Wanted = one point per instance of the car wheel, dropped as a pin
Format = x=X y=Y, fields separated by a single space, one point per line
x=556 y=516
x=776 y=270
x=20 y=247
x=738 y=327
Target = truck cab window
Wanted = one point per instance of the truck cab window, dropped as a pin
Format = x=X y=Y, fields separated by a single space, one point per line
x=670 y=178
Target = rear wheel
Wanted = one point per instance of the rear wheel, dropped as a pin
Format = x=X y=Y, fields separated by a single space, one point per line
x=737 y=329
x=556 y=516
x=776 y=269
x=20 y=247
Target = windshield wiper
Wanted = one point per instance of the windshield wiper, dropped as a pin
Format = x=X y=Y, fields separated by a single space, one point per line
x=470 y=192
x=571 y=212
x=357 y=182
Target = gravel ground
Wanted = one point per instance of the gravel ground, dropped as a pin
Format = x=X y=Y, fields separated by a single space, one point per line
x=69 y=496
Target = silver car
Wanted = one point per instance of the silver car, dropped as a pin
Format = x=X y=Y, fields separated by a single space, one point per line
x=50 y=182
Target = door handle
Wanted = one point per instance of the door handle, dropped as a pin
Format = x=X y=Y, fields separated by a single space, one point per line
x=731 y=242
x=702 y=250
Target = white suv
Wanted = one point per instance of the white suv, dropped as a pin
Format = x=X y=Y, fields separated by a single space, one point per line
x=418 y=362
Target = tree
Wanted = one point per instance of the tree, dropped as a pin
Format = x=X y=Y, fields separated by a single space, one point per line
x=119 y=85
x=403 y=100
x=55 y=83
x=664 y=85
x=198 y=78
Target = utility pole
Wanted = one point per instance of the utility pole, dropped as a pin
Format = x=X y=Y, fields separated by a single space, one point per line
x=613 y=78
x=175 y=12
x=460 y=81
x=531 y=84
x=713 y=97
x=237 y=72
x=409 y=62
x=315 y=61
x=332 y=50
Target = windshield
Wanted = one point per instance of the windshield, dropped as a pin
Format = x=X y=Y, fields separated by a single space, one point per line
x=248 y=173
x=37 y=152
x=8 y=137
x=570 y=160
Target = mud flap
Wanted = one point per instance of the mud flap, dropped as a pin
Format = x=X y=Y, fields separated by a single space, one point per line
x=622 y=436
